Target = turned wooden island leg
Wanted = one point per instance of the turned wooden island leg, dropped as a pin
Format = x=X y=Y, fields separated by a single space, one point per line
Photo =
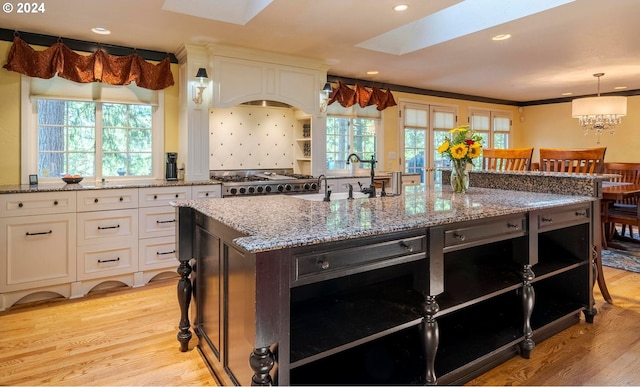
x=528 y=301
x=261 y=361
x=430 y=337
x=184 y=299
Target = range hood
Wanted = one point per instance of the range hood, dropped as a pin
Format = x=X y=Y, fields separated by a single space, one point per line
x=267 y=103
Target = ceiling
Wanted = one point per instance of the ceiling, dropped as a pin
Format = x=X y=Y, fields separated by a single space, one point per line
x=550 y=52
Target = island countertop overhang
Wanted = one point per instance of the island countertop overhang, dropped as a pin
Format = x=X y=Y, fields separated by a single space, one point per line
x=282 y=221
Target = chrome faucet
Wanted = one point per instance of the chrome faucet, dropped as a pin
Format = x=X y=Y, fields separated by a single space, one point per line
x=327 y=192
x=371 y=190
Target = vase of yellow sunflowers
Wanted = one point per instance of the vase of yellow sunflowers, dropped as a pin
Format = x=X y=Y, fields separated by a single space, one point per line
x=461 y=146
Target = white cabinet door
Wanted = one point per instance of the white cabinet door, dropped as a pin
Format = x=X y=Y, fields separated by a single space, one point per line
x=206 y=191
x=157 y=253
x=162 y=196
x=37 y=251
x=157 y=221
x=107 y=226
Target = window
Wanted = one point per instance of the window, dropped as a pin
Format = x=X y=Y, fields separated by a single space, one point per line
x=346 y=135
x=493 y=126
x=94 y=138
x=424 y=127
x=69 y=131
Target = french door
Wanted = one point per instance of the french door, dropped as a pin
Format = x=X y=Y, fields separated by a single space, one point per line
x=423 y=129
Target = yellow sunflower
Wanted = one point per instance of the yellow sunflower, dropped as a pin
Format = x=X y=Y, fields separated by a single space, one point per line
x=474 y=150
x=459 y=151
x=443 y=148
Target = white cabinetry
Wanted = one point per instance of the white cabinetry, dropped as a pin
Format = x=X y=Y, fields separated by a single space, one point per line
x=107 y=236
x=157 y=225
x=70 y=242
x=37 y=243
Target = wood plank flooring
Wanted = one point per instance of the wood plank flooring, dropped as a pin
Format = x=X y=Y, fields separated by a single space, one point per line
x=128 y=337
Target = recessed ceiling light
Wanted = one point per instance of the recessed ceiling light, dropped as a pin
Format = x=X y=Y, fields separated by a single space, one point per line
x=567 y=94
x=100 y=30
x=501 y=37
x=619 y=87
x=400 y=7
x=373 y=72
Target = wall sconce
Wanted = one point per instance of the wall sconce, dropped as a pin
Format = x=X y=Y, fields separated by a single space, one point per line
x=198 y=90
x=324 y=97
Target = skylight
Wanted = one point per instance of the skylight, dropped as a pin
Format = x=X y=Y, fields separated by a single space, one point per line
x=461 y=19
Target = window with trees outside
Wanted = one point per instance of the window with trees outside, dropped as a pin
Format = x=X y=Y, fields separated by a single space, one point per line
x=97 y=131
x=79 y=137
x=493 y=126
x=347 y=134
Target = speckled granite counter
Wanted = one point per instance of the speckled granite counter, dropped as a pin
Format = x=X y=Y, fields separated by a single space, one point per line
x=88 y=185
x=279 y=221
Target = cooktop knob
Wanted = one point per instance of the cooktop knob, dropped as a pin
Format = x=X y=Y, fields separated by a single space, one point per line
x=243 y=190
x=252 y=189
x=260 y=189
x=267 y=188
x=280 y=187
x=307 y=186
x=287 y=187
x=233 y=191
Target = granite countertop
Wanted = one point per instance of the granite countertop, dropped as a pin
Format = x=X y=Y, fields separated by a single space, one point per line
x=280 y=221
x=89 y=185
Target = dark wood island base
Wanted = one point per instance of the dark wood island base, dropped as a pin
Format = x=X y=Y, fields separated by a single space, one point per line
x=433 y=304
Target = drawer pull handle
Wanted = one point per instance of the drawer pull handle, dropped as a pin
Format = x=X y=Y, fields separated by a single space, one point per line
x=155 y=197
x=544 y=219
x=20 y=205
x=108 y=260
x=407 y=246
x=95 y=200
x=39 y=233
x=581 y=213
x=165 y=221
x=55 y=202
x=206 y=194
x=177 y=195
x=121 y=198
x=459 y=236
x=324 y=265
x=513 y=225
x=108 y=227
x=166 y=252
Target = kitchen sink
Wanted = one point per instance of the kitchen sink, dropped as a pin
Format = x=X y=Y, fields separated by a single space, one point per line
x=334 y=196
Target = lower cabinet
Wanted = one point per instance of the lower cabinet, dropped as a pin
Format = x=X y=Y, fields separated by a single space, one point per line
x=68 y=242
x=37 y=251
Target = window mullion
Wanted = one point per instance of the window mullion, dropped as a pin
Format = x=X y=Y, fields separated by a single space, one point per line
x=98 y=136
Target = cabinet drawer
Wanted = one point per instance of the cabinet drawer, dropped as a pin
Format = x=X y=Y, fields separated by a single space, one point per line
x=105 y=226
x=563 y=217
x=161 y=196
x=206 y=191
x=338 y=261
x=37 y=251
x=106 y=260
x=157 y=221
x=486 y=232
x=107 y=199
x=37 y=203
x=157 y=253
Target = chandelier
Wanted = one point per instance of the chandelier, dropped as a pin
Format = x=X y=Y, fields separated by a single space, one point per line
x=599 y=114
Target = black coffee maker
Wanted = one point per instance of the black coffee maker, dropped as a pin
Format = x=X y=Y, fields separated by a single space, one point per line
x=171 y=168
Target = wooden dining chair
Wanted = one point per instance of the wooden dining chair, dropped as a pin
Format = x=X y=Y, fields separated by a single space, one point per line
x=518 y=159
x=627 y=173
x=590 y=160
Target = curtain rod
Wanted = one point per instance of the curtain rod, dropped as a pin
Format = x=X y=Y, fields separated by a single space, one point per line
x=81 y=45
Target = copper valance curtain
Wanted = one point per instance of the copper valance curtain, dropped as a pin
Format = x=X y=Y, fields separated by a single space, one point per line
x=362 y=96
x=97 y=67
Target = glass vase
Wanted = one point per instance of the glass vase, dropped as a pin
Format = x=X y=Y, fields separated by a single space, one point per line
x=459 y=176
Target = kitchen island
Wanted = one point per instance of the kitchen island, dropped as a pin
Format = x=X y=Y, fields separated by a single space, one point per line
x=428 y=287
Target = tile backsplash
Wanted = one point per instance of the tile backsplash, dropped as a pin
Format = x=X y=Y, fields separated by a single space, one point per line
x=252 y=137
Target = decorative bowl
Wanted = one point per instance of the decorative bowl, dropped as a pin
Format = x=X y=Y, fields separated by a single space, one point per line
x=72 y=180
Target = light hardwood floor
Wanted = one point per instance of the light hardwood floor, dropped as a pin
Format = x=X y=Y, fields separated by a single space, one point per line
x=128 y=337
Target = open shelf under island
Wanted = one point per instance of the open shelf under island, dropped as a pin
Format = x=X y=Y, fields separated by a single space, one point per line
x=429 y=287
